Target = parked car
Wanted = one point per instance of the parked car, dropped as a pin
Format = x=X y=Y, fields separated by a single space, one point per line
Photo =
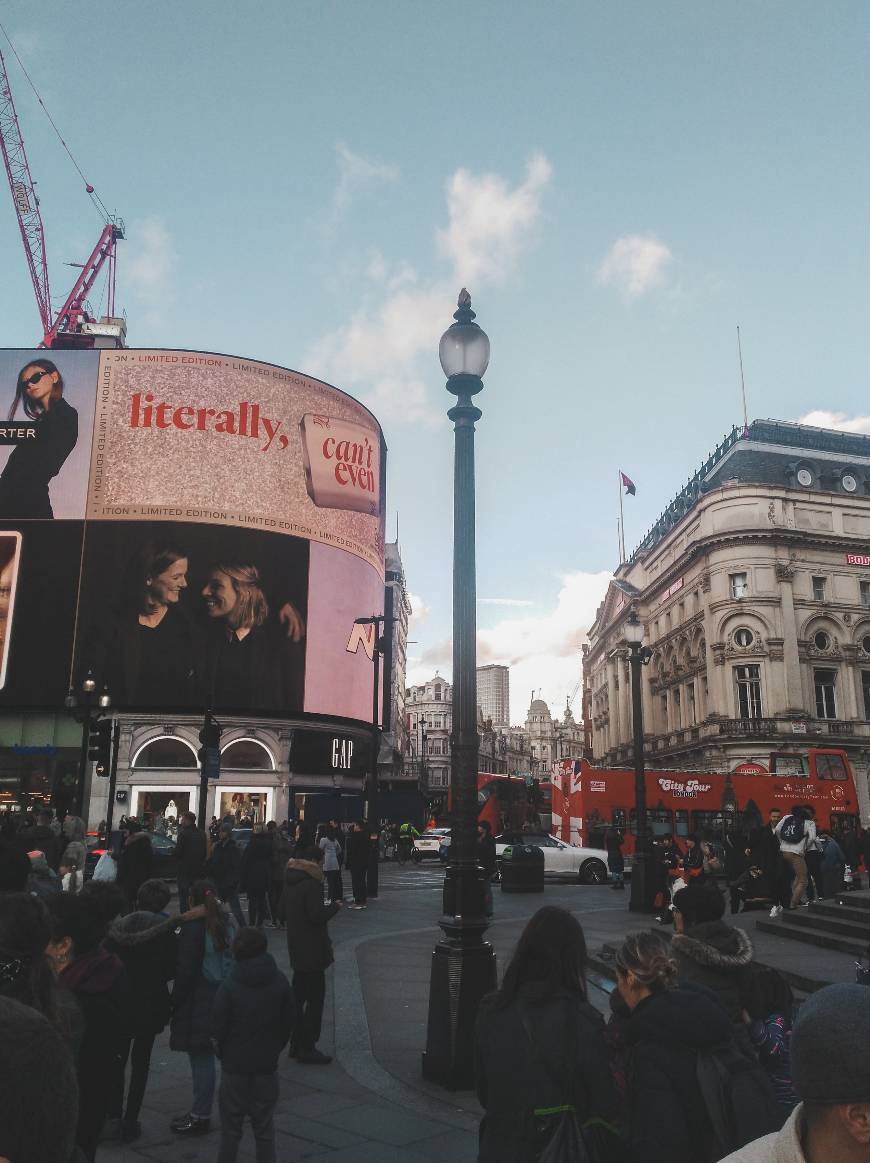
x=429 y=844
x=588 y=865
x=162 y=847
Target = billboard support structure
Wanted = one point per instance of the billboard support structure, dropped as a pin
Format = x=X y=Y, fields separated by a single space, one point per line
x=371 y=797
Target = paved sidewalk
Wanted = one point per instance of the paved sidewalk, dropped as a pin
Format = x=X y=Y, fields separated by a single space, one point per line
x=372 y=1102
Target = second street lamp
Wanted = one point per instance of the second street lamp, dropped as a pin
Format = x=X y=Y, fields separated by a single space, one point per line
x=463 y=964
x=642 y=879
x=372 y=811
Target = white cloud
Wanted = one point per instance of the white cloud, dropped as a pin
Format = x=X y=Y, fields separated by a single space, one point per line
x=635 y=264
x=490 y=223
x=357 y=174
x=504 y=602
x=420 y=611
x=838 y=420
x=385 y=353
x=542 y=649
x=149 y=265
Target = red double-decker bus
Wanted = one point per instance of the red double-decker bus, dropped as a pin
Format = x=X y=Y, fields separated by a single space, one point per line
x=508 y=802
x=586 y=799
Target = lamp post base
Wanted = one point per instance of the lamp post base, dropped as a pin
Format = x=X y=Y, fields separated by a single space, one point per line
x=463 y=972
x=642 y=884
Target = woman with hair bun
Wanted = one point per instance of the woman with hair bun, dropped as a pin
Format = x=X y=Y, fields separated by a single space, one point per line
x=33 y=463
x=668 y=1026
x=539 y=1044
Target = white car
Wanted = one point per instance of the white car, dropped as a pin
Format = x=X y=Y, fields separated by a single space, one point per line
x=588 y=865
x=428 y=844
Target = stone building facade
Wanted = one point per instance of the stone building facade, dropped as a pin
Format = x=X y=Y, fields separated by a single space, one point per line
x=754 y=592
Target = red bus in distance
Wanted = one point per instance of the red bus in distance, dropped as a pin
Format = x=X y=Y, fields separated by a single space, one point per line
x=587 y=799
x=509 y=803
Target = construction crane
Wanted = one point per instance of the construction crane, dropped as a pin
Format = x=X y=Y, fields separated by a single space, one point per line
x=73 y=325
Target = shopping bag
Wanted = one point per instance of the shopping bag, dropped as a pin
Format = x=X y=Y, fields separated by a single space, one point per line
x=107 y=869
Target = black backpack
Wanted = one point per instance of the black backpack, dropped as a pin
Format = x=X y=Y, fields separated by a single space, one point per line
x=792 y=830
x=738 y=1097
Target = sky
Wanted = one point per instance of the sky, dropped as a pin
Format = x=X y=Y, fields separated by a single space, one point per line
x=619 y=186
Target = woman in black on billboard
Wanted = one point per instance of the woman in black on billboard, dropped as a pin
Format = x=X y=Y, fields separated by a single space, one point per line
x=33 y=463
x=146 y=654
x=253 y=662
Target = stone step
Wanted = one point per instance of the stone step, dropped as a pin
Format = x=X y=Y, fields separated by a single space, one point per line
x=844 y=911
x=842 y=926
x=781 y=927
x=855 y=900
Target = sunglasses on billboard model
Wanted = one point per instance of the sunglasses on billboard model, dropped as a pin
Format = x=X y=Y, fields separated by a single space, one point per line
x=31 y=381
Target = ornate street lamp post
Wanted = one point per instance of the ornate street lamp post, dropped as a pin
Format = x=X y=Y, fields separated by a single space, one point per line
x=463 y=964
x=372 y=807
x=642 y=873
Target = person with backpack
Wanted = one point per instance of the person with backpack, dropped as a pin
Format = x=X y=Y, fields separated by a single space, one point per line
x=831 y=1076
x=539 y=1044
x=204 y=960
x=251 y=1022
x=794 y=832
x=770 y=1033
x=692 y=1093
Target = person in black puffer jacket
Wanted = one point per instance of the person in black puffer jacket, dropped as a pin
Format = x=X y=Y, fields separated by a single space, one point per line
x=145 y=941
x=252 y=1020
x=310 y=951
x=256 y=872
x=711 y=953
x=667 y=1028
x=535 y=1034
x=99 y=982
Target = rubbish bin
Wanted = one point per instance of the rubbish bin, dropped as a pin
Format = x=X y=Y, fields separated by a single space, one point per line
x=522 y=868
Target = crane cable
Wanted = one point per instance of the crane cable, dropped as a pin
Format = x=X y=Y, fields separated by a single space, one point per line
x=92 y=194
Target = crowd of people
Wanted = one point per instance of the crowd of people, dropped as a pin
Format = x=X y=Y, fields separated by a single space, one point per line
x=91 y=974
x=704 y=1057
x=781 y=865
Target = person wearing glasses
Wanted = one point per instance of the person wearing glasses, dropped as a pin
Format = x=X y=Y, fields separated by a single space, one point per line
x=33 y=463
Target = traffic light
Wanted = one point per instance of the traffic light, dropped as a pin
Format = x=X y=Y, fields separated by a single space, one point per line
x=210 y=752
x=100 y=746
x=533 y=791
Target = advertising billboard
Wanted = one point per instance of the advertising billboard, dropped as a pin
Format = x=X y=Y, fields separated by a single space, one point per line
x=194 y=529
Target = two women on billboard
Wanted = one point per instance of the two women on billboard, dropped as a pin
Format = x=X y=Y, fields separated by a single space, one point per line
x=35 y=461
x=222 y=644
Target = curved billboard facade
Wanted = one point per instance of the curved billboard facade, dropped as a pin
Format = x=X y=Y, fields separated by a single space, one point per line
x=197 y=530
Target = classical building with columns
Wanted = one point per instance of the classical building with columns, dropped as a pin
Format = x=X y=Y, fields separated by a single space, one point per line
x=753 y=588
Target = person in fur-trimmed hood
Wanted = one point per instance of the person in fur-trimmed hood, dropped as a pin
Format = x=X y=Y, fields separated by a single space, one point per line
x=711 y=953
x=145 y=942
x=310 y=950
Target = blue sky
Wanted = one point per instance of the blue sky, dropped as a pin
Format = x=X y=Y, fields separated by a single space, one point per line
x=618 y=185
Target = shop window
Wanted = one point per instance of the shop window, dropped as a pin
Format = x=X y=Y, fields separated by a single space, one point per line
x=826 y=696
x=247 y=753
x=166 y=752
x=748 y=681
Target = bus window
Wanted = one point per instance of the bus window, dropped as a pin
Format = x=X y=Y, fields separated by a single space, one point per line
x=787 y=763
x=830 y=767
x=681 y=822
x=658 y=821
x=842 y=820
x=708 y=822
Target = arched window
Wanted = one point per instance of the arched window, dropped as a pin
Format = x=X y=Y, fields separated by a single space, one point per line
x=247 y=753
x=167 y=751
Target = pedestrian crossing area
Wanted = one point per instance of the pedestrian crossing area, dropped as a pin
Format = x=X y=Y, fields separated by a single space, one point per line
x=428 y=876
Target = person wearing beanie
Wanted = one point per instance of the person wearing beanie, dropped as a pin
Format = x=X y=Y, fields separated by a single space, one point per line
x=252 y=1020
x=831 y=1075
x=40 y=1095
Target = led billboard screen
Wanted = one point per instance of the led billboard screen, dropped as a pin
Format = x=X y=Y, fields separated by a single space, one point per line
x=196 y=529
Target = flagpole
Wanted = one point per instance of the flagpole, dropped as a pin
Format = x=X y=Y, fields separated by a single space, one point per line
x=621 y=520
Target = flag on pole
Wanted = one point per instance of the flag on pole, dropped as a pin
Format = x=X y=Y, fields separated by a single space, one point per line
x=628 y=484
